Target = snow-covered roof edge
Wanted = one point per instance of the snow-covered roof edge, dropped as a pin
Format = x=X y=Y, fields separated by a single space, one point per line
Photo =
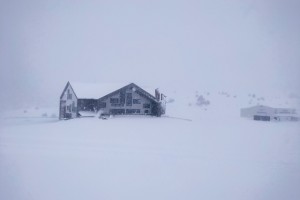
x=99 y=91
x=68 y=83
x=139 y=89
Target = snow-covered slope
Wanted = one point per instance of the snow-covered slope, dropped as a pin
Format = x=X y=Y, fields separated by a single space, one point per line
x=202 y=149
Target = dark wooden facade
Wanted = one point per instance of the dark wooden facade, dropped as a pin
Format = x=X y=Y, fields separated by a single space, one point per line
x=129 y=100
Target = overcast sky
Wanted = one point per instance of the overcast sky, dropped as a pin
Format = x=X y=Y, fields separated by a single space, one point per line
x=251 y=44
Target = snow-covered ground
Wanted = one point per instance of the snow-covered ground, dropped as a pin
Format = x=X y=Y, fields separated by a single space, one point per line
x=195 y=152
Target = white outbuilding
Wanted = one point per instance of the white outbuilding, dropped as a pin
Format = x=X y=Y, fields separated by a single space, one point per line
x=266 y=113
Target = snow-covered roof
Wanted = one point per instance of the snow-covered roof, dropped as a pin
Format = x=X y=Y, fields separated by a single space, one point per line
x=98 y=90
x=287 y=115
x=271 y=107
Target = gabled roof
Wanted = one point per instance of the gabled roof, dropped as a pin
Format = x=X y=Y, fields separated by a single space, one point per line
x=135 y=88
x=68 y=83
x=103 y=90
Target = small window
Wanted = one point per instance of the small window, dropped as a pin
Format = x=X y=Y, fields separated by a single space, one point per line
x=69 y=95
x=146 y=105
x=146 y=111
x=114 y=100
x=136 y=101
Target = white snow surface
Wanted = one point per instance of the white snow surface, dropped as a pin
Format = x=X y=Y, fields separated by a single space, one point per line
x=194 y=152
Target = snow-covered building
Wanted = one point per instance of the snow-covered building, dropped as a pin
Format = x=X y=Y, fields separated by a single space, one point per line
x=68 y=103
x=79 y=98
x=266 y=113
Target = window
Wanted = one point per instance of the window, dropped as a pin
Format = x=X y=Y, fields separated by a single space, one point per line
x=69 y=95
x=146 y=105
x=116 y=105
x=146 y=111
x=129 y=99
x=122 y=96
x=114 y=100
x=102 y=105
x=69 y=108
x=136 y=101
x=73 y=107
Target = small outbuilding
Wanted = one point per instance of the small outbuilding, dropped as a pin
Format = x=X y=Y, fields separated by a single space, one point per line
x=266 y=113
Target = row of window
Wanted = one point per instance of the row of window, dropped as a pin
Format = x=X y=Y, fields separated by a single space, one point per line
x=128 y=100
x=103 y=105
x=115 y=102
x=127 y=111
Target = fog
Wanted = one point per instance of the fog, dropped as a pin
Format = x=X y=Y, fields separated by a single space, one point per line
x=242 y=45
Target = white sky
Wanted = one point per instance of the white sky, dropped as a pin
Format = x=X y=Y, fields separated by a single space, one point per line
x=235 y=44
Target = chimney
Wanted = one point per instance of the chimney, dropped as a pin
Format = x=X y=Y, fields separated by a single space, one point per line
x=157 y=94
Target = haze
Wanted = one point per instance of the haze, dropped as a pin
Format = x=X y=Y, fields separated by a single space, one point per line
x=210 y=43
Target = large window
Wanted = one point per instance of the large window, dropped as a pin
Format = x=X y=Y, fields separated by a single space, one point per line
x=136 y=101
x=122 y=97
x=129 y=99
x=114 y=100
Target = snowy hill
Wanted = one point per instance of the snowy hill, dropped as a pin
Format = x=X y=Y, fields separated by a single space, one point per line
x=202 y=149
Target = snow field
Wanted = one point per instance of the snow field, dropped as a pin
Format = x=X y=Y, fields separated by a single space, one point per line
x=215 y=155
